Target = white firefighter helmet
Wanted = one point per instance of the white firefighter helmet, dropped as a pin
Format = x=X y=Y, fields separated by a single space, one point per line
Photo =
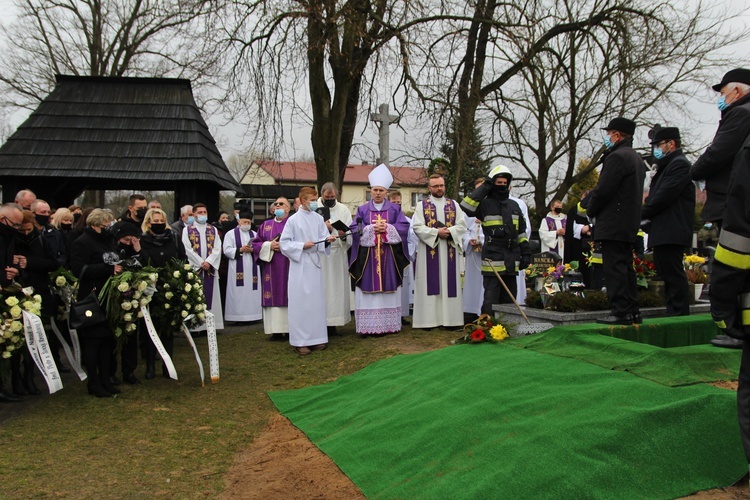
x=502 y=171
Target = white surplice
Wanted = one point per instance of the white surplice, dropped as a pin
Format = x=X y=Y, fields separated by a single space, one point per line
x=243 y=303
x=407 y=287
x=214 y=258
x=336 y=280
x=436 y=310
x=521 y=277
x=549 y=238
x=307 y=300
x=473 y=293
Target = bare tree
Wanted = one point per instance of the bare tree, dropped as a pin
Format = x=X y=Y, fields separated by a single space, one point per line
x=155 y=38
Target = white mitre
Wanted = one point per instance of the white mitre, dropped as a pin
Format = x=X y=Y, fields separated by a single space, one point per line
x=380 y=176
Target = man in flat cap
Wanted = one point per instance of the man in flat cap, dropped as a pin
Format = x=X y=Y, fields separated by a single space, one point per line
x=615 y=204
x=715 y=164
x=670 y=207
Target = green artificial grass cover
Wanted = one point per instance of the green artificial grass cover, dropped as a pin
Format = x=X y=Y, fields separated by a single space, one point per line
x=496 y=421
x=674 y=366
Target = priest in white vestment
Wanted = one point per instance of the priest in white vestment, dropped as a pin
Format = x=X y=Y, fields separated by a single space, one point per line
x=473 y=293
x=243 y=301
x=304 y=239
x=203 y=248
x=439 y=224
x=521 y=277
x=552 y=229
x=336 y=280
x=407 y=288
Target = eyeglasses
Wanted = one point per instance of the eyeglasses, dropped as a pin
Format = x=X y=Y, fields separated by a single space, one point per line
x=281 y=204
x=14 y=225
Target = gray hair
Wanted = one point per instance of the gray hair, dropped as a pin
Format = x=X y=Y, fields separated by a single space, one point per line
x=185 y=209
x=744 y=88
x=99 y=217
x=22 y=194
x=329 y=186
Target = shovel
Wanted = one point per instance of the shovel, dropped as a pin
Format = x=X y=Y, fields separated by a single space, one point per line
x=529 y=328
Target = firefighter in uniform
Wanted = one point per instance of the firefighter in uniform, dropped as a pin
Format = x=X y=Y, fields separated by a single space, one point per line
x=505 y=242
x=730 y=279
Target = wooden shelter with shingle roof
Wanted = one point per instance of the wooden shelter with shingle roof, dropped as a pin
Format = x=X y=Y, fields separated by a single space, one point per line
x=116 y=133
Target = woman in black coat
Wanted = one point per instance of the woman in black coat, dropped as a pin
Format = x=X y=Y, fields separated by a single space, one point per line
x=159 y=245
x=36 y=259
x=88 y=262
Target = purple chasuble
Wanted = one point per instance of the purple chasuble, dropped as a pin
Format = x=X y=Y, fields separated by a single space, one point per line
x=274 y=274
x=553 y=227
x=381 y=272
x=208 y=276
x=433 y=254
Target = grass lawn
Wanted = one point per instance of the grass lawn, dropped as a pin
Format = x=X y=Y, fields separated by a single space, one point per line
x=172 y=438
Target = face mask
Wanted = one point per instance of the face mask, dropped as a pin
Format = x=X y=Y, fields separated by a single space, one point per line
x=608 y=142
x=246 y=228
x=105 y=230
x=722 y=104
x=658 y=153
x=190 y=220
x=329 y=203
x=501 y=189
x=158 y=228
x=558 y=210
x=278 y=213
x=202 y=219
x=76 y=217
x=42 y=220
x=313 y=206
x=66 y=226
x=141 y=213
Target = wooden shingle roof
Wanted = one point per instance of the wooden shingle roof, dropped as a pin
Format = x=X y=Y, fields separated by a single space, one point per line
x=118 y=129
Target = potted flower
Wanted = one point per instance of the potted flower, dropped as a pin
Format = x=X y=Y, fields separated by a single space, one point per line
x=694 y=271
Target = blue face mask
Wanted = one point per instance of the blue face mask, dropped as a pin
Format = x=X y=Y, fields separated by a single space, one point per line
x=190 y=219
x=608 y=142
x=722 y=104
x=278 y=212
x=658 y=153
x=313 y=206
x=202 y=219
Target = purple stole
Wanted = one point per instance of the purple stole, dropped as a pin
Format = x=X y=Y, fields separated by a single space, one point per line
x=195 y=241
x=240 y=267
x=433 y=256
x=553 y=227
x=275 y=273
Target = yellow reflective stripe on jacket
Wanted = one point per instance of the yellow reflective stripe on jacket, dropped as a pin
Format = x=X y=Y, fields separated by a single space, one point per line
x=731 y=258
x=641 y=233
x=745 y=317
x=491 y=223
x=469 y=203
x=498 y=264
x=581 y=210
x=596 y=258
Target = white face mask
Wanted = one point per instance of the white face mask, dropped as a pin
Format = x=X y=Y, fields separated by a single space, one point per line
x=246 y=228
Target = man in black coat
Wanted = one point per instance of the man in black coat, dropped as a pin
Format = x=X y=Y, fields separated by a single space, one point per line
x=615 y=204
x=11 y=218
x=670 y=207
x=715 y=164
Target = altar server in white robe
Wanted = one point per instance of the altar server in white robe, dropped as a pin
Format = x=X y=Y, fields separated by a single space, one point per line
x=336 y=280
x=439 y=224
x=304 y=239
x=203 y=248
x=243 y=284
x=407 y=288
x=521 y=278
x=473 y=293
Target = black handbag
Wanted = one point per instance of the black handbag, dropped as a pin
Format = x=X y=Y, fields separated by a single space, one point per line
x=86 y=312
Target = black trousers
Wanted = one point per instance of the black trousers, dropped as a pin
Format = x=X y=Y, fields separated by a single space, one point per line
x=668 y=260
x=494 y=293
x=96 y=353
x=128 y=354
x=619 y=277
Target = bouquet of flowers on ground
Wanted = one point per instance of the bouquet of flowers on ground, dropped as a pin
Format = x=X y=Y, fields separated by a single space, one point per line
x=532 y=271
x=63 y=283
x=13 y=301
x=180 y=298
x=644 y=270
x=123 y=296
x=483 y=329
x=694 y=268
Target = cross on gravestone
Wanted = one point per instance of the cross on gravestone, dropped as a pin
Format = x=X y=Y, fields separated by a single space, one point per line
x=384 y=121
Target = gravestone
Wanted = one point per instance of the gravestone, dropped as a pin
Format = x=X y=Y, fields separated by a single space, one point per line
x=545 y=259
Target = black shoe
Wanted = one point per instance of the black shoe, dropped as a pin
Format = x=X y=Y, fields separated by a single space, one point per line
x=404 y=321
x=31 y=387
x=726 y=341
x=99 y=391
x=331 y=331
x=9 y=398
x=131 y=379
x=150 y=371
x=277 y=337
x=114 y=380
x=616 y=320
x=637 y=318
x=18 y=388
